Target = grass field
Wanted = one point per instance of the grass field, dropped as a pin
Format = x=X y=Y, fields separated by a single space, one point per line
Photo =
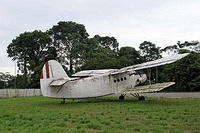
x=104 y=114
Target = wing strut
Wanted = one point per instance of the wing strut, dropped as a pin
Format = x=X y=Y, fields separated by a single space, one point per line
x=149 y=74
x=156 y=74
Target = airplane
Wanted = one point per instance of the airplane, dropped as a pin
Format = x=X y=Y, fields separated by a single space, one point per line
x=55 y=83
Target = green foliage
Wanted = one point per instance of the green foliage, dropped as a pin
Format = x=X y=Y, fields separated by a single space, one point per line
x=6 y=80
x=65 y=36
x=130 y=53
x=182 y=51
x=94 y=56
x=107 y=42
x=29 y=51
x=2 y=83
x=149 y=51
x=20 y=82
x=100 y=58
x=28 y=48
x=124 y=62
x=193 y=46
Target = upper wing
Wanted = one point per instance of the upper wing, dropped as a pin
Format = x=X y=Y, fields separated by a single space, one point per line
x=148 y=88
x=89 y=73
x=159 y=62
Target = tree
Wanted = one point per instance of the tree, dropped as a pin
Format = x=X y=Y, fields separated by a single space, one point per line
x=174 y=49
x=107 y=41
x=192 y=45
x=94 y=56
x=131 y=54
x=170 y=50
x=65 y=36
x=30 y=50
x=5 y=79
x=149 y=51
x=2 y=80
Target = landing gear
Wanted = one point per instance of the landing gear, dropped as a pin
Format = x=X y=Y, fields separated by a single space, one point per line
x=63 y=102
x=122 y=96
x=140 y=98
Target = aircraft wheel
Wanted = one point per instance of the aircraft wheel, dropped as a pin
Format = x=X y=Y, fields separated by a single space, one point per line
x=141 y=98
x=63 y=102
x=121 y=97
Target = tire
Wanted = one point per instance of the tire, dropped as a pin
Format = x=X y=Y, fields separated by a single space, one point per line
x=141 y=98
x=121 y=97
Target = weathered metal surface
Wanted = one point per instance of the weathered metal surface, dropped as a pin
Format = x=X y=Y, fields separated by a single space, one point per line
x=89 y=73
x=166 y=94
x=62 y=81
x=174 y=94
x=159 y=62
x=59 y=82
x=149 y=88
x=98 y=85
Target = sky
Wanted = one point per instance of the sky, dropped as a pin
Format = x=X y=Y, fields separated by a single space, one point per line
x=130 y=21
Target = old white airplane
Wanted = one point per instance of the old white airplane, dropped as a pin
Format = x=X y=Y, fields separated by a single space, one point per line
x=55 y=83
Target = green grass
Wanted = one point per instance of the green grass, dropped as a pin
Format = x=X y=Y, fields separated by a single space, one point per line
x=104 y=114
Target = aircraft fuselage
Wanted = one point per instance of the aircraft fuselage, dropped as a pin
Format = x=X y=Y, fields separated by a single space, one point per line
x=95 y=86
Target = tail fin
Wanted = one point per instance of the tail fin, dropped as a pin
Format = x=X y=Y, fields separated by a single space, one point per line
x=51 y=70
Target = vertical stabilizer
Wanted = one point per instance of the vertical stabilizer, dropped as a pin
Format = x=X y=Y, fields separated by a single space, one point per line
x=51 y=70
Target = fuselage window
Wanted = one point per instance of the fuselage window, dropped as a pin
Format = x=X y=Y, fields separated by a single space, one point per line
x=118 y=80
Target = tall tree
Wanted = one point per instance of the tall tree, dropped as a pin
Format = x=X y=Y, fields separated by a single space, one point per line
x=107 y=41
x=149 y=51
x=131 y=54
x=65 y=36
x=94 y=56
x=30 y=51
x=170 y=50
x=4 y=79
x=174 y=49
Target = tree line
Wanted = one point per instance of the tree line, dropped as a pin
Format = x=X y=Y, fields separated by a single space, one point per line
x=69 y=43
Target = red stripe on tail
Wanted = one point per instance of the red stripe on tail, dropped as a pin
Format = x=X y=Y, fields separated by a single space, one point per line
x=41 y=75
x=47 y=69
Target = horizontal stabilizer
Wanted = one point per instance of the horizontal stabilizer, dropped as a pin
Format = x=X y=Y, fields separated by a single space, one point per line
x=60 y=82
x=149 y=88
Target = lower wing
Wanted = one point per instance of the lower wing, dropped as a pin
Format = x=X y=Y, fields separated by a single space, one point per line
x=148 y=88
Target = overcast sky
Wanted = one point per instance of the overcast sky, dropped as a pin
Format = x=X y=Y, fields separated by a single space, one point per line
x=130 y=21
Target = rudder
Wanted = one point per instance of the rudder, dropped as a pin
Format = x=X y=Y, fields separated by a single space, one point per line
x=51 y=70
